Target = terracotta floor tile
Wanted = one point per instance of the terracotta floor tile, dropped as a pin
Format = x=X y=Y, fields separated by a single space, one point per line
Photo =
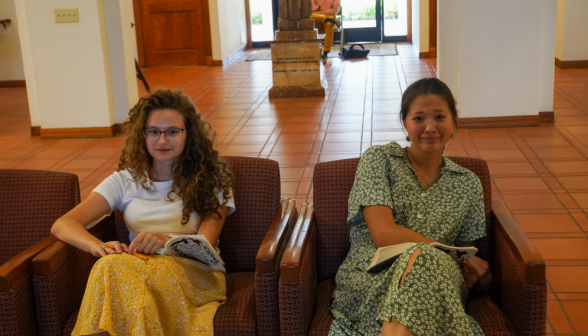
x=558 y=153
x=344 y=127
x=341 y=137
x=581 y=199
x=42 y=164
x=541 y=131
x=488 y=133
x=547 y=142
x=296 y=138
x=567 y=167
x=85 y=164
x=547 y=223
x=573 y=182
x=341 y=147
x=562 y=248
x=346 y=119
x=286 y=148
x=256 y=130
x=243 y=149
x=527 y=183
x=501 y=154
x=558 y=319
x=289 y=188
x=576 y=311
x=532 y=201
x=287 y=174
x=250 y=139
x=568 y=278
x=299 y=128
x=289 y=160
x=511 y=168
x=494 y=143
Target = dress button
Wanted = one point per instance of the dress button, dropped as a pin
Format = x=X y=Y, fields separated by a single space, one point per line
x=419 y=216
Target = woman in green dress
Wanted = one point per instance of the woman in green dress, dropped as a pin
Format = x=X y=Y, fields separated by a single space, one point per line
x=412 y=194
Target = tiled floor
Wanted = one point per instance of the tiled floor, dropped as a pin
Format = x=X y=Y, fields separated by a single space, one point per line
x=541 y=173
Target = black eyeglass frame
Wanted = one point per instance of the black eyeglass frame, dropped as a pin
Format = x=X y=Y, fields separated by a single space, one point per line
x=161 y=132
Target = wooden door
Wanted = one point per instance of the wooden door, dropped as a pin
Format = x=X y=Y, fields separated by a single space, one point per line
x=174 y=32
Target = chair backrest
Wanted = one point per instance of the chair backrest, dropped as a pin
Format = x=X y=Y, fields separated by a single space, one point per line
x=256 y=190
x=30 y=202
x=332 y=183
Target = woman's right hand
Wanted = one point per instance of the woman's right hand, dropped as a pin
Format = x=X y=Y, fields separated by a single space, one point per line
x=99 y=250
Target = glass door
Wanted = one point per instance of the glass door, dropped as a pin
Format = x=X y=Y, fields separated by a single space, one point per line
x=362 y=20
x=264 y=21
x=395 y=20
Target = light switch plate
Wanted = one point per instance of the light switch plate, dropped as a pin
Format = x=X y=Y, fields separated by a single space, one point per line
x=66 y=15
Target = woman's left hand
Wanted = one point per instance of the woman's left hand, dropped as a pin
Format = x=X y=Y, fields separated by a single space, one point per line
x=476 y=270
x=148 y=243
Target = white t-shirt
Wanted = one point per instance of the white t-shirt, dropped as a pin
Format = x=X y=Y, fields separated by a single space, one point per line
x=148 y=210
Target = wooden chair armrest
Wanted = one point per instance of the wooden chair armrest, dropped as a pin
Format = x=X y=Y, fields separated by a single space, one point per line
x=294 y=253
x=265 y=261
x=16 y=266
x=522 y=247
x=44 y=263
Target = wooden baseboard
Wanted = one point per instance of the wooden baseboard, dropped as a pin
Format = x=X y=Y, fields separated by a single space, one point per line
x=570 y=64
x=496 y=122
x=35 y=130
x=547 y=117
x=13 y=83
x=227 y=59
x=424 y=54
x=81 y=132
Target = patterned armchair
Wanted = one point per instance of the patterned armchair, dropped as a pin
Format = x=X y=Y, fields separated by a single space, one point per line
x=515 y=305
x=251 y=243
x=30 y=201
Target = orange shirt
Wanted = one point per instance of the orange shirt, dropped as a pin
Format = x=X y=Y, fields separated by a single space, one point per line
x=328 y=7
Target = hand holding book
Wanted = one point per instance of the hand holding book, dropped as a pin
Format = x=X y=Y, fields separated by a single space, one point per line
x=385 y=256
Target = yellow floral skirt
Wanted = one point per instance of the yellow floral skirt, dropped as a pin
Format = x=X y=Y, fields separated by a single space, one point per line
x=163 y=295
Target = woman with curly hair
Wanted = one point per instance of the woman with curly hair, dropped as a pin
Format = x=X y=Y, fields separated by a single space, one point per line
x=170 y=181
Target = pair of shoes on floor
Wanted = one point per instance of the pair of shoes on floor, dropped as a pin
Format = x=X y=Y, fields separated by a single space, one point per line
x=334 y=21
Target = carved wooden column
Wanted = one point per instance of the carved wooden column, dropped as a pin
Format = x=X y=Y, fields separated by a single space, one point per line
x=296 y=53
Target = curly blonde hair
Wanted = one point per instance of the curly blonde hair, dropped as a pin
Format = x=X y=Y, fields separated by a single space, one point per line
x=198 y=175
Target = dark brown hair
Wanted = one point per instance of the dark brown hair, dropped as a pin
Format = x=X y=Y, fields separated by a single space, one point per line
x=428 y=86
x=199 y=174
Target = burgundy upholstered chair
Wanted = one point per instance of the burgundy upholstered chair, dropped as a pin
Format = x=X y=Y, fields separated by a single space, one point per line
x=30 y=201
x=251 y=243
x=516 y=304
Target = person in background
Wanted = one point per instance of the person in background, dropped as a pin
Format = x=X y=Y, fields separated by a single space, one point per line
x=323 y=13
x=170 y=181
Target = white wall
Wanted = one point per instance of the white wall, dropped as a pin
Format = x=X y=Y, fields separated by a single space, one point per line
x=11 y=67
x=497 y=56
x=572 y=30
x=227 y=21
x=68 y=65
x=420 y=25
x=121 y=39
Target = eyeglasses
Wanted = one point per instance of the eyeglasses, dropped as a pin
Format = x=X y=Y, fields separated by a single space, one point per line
x=153 y=133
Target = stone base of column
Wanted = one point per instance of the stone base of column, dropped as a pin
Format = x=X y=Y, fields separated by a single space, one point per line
x=296 y=65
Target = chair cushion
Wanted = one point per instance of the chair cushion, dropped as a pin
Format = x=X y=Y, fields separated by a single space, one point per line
x=486 y=312
x=322 y=315
x=236 y=317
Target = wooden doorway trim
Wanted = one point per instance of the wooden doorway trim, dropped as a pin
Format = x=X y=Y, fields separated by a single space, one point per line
x=432 y=28
x=140 y=34
x=248 y=25
x=409 y=21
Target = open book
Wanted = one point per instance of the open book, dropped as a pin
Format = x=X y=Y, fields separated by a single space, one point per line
x=385 y=256
x=194 y=247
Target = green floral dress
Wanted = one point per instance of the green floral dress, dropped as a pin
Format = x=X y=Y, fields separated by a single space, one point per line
x=432 y=297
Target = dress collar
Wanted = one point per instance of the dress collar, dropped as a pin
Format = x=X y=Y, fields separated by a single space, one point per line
x=394 y=149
